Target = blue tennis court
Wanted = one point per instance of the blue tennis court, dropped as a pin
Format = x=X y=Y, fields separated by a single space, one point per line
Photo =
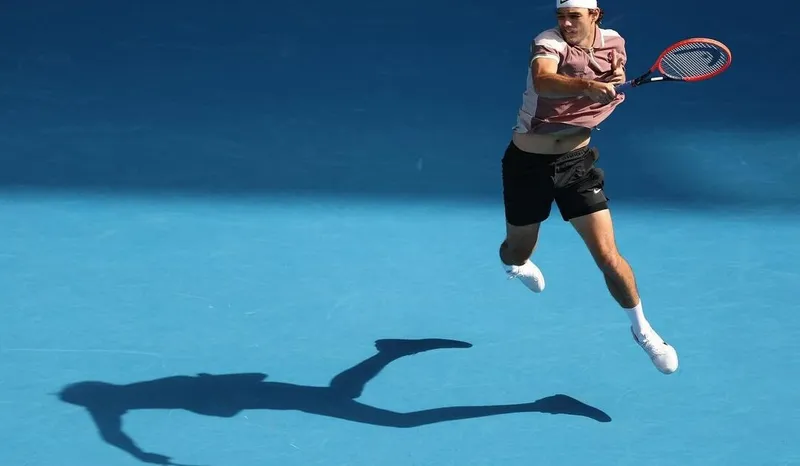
x=267 y=234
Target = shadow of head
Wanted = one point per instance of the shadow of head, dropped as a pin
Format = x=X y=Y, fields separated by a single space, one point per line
x=87 y=393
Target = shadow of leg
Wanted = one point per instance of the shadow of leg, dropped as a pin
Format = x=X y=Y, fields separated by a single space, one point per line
x=557 y=404
x=351 y=382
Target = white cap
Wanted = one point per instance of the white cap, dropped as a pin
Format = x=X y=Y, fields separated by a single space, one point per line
x=591 y=4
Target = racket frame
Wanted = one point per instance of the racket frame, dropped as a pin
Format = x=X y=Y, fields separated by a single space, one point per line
x=646 y=77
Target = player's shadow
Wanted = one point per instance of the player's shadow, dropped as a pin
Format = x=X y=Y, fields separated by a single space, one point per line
x=226 y=395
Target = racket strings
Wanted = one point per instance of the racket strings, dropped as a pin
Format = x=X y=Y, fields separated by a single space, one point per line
x=693 y=60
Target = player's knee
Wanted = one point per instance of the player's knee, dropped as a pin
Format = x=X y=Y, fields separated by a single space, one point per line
x=607 y=258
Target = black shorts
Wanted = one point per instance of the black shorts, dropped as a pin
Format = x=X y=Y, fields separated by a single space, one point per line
x=531 y=182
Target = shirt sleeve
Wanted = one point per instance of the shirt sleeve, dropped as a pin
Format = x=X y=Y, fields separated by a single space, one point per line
x=548 y=46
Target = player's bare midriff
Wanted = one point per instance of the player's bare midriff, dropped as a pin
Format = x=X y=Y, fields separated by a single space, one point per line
x=553 y=143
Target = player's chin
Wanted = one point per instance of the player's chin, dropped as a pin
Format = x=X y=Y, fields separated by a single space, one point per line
x=571 y=37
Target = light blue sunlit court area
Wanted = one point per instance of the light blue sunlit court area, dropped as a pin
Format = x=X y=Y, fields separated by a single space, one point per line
x=266 y=233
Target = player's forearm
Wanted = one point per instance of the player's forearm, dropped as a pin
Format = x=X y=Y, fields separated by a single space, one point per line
x=558 y=86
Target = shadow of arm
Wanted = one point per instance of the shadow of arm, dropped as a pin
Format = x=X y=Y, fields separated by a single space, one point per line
x=109 y=425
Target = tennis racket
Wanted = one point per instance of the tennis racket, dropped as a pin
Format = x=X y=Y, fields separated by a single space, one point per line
x=689 y=60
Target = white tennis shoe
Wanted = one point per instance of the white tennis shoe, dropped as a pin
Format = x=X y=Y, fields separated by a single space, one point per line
x=663 y=355
x=528 y=274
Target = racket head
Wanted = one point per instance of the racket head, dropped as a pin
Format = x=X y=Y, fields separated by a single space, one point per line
x=695 y=59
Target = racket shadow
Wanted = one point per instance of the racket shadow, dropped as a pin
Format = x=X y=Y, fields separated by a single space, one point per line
x=226 y=395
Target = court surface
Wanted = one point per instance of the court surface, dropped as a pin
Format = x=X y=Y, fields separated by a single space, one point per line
x=267 y=235
x=176 y=307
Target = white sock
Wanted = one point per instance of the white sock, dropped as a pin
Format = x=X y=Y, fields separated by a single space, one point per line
x=638 y=321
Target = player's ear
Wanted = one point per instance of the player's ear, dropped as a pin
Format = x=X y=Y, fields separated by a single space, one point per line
x=597 y=15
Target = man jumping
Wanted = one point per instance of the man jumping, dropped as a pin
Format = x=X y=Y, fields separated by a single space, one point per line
x=570 y=90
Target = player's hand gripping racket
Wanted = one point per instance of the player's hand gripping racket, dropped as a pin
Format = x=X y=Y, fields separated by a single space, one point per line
x=689 y=60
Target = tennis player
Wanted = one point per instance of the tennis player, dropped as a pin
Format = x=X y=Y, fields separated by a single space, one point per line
x=570 y=91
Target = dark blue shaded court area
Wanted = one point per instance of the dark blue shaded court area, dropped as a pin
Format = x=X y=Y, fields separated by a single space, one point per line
x=265 y=233
x=361 y=99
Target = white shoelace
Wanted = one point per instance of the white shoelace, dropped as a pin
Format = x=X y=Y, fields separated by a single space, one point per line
x=652 y=343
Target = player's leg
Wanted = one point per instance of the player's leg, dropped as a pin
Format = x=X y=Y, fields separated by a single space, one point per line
x=597 y=231
x=519 y=244
x=583 y=203
x=527 y=196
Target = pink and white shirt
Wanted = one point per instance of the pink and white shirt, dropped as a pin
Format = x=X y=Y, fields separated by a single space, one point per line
x=544 y=115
